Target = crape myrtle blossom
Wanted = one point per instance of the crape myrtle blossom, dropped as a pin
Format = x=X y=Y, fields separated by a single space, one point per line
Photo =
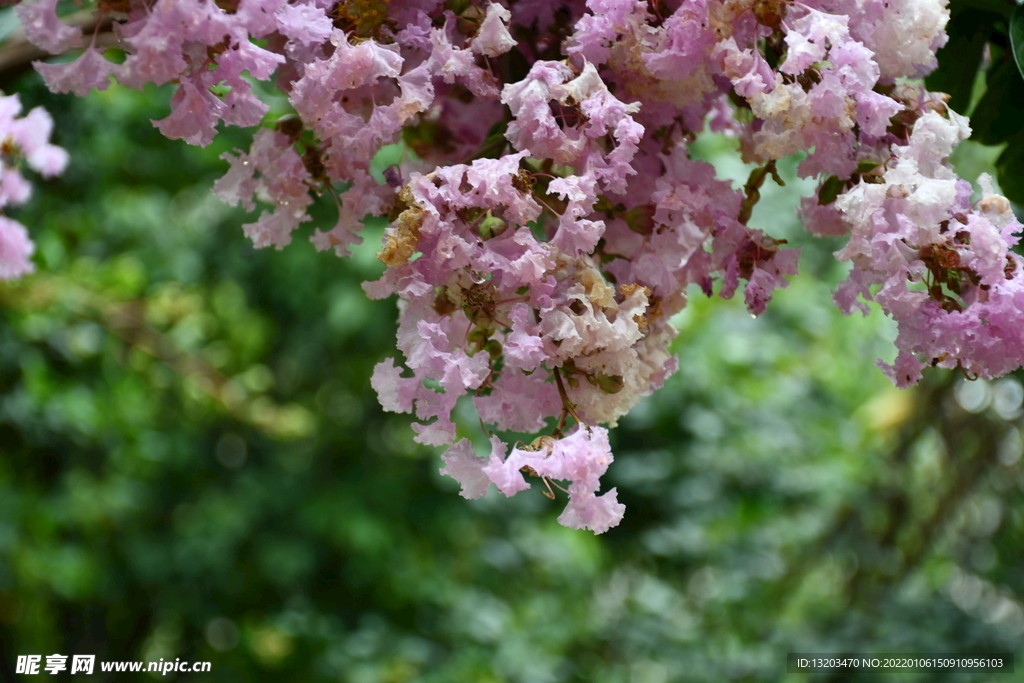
x=546 y=219
x=45 y=29
x=581 y=458
x=24 y=141
x=945 y=269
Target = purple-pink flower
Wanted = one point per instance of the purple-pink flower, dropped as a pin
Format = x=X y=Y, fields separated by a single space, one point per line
x=24 y=141
x=545 y=216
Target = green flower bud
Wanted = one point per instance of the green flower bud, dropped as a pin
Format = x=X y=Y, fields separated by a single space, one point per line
x=491 y=226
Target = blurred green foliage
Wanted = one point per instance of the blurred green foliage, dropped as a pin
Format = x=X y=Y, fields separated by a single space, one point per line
x=194 y=466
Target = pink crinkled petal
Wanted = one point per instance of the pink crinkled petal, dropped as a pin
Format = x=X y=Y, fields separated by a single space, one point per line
x=14 y=189
x=464 y=466
x=395 y=393
x=243 y=108
x=523 y=347
x=582 y=457
x=437 y=433
x=493 y=38
x=505 y=472
x=304 y=23
x=15 y=249
x=597 y=513
x=43 y=28
x=238 y=185
x=905 y=372
x=273 y=228
x=194 y=115
x=32 y=135
x=821 y=220
x=454 y=63
x=520 y=402
x=89 y=71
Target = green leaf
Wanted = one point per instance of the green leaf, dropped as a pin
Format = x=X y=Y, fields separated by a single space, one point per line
x=1010 y=169
x=1017 y=38
x=959 y=60
x=997 y=116
x=1003 y=8
x=640 y=219
x=830 y=189
x=867 y=166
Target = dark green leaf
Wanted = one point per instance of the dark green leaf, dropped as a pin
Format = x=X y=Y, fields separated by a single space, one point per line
x=959 y=60
x=867 y=166
x=513 y=66
x=1017 y=38
x=1001 y=7
x=998 y=115
x=640 y=219
x=830 y=189
x=1010 y=169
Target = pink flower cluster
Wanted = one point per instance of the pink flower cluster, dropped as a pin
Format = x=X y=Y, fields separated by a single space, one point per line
x=944 y=267
x=547 y=220
x=24 y=141
x=582 y=457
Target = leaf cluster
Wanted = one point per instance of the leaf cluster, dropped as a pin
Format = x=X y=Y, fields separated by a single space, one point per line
x=986 y=48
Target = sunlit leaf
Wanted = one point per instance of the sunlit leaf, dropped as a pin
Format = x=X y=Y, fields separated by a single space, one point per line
x=1017 y=37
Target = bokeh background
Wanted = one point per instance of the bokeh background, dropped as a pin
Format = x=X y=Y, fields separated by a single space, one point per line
x=193 y=465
